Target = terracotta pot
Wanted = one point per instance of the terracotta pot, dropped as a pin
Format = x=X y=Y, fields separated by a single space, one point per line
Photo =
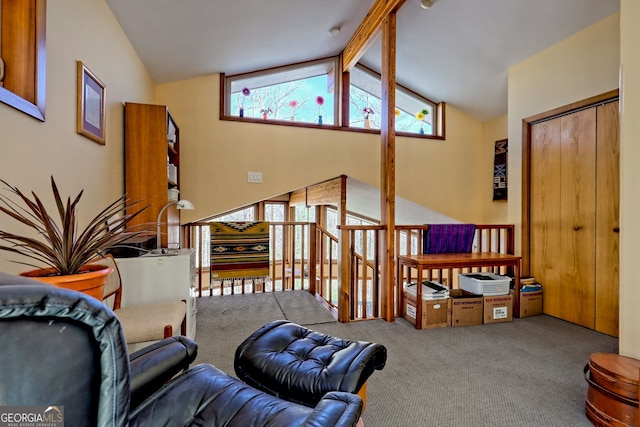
x=91 y=281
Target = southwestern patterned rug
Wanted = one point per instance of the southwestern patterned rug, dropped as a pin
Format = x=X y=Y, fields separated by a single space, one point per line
x=239 y=250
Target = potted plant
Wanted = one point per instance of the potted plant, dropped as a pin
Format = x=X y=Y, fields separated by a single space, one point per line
x=60 y=252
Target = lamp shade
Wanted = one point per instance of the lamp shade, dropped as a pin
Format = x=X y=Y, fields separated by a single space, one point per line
x=185 y=204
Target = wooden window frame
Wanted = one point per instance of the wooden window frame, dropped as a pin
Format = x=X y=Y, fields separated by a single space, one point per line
x=23 y=49
x=341 y=108
x=226 y=83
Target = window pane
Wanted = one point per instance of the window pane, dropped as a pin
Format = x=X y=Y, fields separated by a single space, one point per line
x=274 y=212
x=363 y=105
x=300 y=93
x=246 y=214
x=332 y=221
x=305 y=213
x=413 y=112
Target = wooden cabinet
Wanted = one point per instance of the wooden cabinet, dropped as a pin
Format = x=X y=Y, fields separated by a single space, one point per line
x=152 y=165
x=574 y=189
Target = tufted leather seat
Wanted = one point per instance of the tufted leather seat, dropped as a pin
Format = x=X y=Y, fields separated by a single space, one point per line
x=301 y=365
x=68 y=349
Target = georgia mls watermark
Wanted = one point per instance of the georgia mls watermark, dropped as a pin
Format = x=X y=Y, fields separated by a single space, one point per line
x=31 y=416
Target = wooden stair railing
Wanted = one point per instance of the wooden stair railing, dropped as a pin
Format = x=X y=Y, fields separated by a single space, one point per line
x=327 y=252
x=409 y=238
x=308 y=257
x=363 y=261
x=300 y=251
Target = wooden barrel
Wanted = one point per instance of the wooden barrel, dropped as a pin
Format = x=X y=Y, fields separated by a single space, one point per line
x=612 y=399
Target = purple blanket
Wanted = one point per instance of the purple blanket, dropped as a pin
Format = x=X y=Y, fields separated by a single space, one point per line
x=448 y=238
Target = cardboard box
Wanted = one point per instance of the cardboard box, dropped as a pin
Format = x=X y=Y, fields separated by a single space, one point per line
x=465 y=309
x=498 y=308
x=530 y=304
x=434 y=313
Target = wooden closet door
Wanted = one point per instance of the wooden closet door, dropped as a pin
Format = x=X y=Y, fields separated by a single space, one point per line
x=577 y=217
x=562 y=214
x=607 y=220
x=545 y=212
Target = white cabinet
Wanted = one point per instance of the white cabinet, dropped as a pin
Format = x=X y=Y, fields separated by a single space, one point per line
x=153 y=279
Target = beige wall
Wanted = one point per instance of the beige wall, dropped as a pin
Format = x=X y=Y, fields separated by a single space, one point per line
x=216 y=156
x=33 y=150
x=629 y=178
x=584 y=65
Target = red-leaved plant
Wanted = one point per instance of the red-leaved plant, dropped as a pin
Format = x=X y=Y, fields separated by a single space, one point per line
x=61 y=246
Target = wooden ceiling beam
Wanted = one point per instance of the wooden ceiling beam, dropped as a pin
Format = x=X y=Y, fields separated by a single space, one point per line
x=367 y=31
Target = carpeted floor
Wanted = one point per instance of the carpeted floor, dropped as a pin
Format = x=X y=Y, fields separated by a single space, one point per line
x=523 y=373
x=223 y=322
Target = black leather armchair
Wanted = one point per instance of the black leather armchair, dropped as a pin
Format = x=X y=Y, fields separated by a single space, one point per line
x=63 y=348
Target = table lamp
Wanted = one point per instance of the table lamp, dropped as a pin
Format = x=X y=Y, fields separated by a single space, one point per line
x=180 y=204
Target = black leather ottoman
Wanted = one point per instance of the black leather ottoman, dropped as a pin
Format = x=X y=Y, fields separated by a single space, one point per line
x=301 y=365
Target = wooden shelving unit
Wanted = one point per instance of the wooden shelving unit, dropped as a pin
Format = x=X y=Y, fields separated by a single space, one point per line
x=152 y=165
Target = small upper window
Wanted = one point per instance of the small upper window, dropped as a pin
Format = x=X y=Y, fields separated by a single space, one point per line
x=414 y=114
x=301 y=93
x=310 y=93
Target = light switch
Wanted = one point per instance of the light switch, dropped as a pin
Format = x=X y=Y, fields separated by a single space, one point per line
x=254 y=177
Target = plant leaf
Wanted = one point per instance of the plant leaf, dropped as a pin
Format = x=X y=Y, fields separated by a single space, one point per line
x=62 y=244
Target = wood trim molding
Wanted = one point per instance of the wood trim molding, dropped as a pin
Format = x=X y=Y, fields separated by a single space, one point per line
x=330 y=192
x=606 y=96
x=345 y=100
x=222 y=96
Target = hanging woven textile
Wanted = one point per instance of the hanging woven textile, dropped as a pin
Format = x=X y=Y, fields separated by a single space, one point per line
x=500 y=170
x=448 y=238
x=239 y=250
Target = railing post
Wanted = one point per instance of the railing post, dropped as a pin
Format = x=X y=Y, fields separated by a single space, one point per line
x=344 y=269
x=510 y=240
x=313 y=260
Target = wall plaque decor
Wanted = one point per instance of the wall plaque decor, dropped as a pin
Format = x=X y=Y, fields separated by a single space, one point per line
x=500 y=170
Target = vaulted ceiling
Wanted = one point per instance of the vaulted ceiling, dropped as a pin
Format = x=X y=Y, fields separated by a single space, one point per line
x=457 y=51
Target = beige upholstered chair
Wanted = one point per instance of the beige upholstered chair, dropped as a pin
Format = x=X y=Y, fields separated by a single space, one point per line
x=143 y=324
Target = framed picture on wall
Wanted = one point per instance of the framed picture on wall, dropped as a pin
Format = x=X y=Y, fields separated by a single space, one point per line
x=91 y=105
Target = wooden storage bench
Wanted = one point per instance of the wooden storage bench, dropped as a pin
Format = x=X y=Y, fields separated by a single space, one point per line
x=452 y=261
